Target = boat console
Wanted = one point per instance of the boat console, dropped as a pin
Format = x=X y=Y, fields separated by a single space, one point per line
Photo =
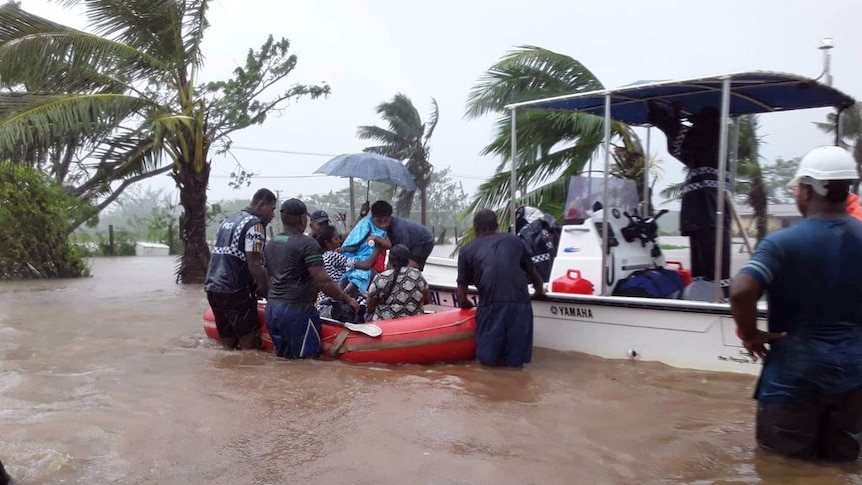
x=632 y=246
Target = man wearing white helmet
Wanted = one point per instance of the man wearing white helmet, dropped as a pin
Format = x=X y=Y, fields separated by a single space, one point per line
x=810 y=389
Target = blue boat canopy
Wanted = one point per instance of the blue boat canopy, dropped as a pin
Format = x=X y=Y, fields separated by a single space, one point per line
x=750 y=93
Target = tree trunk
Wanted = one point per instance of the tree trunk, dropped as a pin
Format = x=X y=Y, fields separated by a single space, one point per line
x=193 y=199
x=759 y=202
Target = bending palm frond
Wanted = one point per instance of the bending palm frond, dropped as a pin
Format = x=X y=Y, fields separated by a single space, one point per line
x=550 y=143
x=526 y=73
x=39 y=120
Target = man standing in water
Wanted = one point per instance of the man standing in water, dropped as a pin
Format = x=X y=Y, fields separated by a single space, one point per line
x=696 y=146
x=810 y=389
x=500 y=267
x=296 y=273
x=235 y=276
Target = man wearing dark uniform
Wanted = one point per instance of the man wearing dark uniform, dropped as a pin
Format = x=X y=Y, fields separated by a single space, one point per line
x=696 y=146
x=236 y=277
x=500 y=267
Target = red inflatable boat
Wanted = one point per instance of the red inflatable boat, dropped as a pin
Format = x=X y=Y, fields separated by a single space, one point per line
x=446 y=336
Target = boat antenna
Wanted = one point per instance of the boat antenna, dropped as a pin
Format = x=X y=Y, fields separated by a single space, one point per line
x=826 y=45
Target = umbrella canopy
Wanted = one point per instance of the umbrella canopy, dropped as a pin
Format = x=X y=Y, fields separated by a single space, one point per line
x=370 y=167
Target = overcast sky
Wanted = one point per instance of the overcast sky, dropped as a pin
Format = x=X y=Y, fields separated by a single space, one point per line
x=369 y=50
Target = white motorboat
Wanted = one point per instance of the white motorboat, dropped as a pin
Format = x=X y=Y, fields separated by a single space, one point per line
x=685 y=333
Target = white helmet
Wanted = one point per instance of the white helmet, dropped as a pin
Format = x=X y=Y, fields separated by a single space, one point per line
x=825 y=164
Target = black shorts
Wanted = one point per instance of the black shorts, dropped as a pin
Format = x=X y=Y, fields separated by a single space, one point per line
x=419 y=253
x=819 y=428
x=235 y=313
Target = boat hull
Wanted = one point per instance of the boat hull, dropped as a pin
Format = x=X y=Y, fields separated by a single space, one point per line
x=684 y=334
x=447 y=336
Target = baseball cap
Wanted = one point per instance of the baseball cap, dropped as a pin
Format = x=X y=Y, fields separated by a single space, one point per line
x=319 y=216
x=294 y=207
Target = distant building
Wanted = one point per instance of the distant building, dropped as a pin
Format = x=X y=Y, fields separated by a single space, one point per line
x=778 y=216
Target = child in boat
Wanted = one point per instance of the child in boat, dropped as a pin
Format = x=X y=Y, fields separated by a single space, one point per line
x=400 y=291
x=334 y=261
x=364 y=242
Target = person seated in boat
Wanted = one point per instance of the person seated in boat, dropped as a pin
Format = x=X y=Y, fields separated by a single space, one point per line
x=696 y=146
x=416 y=237
x=400 y=291
x=365 y=239
x=809 y=395
x=500 y=267
x=336 y=263
x=296 y=274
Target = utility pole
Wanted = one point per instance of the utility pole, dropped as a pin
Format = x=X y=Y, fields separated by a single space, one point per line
x=277 y=207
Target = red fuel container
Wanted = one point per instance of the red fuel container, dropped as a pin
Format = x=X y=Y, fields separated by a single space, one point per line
x=684 y=273
x=572 y=283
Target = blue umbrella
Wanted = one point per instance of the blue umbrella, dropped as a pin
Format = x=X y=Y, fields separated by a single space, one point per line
x=370 y=167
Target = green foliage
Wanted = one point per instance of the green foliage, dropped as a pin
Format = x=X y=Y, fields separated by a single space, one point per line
x=552 y=146
x=776 y=176
x=127 y=95
x=851 y=133
x=124 y=244
x=34 y=226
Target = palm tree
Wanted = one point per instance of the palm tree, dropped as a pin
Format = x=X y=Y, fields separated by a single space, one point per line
x=749 y=170
x=130 y=91
x=851 y=129
x=406 y=138
x=550 y=144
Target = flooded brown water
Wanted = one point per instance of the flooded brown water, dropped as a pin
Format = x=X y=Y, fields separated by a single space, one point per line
x=109 y=379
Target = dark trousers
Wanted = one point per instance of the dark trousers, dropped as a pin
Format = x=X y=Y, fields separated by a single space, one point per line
x=702 y=250
x=236 y=319
x=504 y=333
x=817 y=428
x=295 y=332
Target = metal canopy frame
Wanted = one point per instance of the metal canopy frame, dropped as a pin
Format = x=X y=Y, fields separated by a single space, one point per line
x=739 y=94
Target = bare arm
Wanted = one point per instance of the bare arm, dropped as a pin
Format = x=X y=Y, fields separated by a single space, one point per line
x=426 y=296
x=258 y=272
x=371 y=304
x=382 y=241
x=331 y=288
x=536 y=280
x=744 y=294
x=368 y=263
x=461 y=294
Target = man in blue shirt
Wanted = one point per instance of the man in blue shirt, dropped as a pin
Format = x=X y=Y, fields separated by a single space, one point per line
x=810 y=389
x=500 y=267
